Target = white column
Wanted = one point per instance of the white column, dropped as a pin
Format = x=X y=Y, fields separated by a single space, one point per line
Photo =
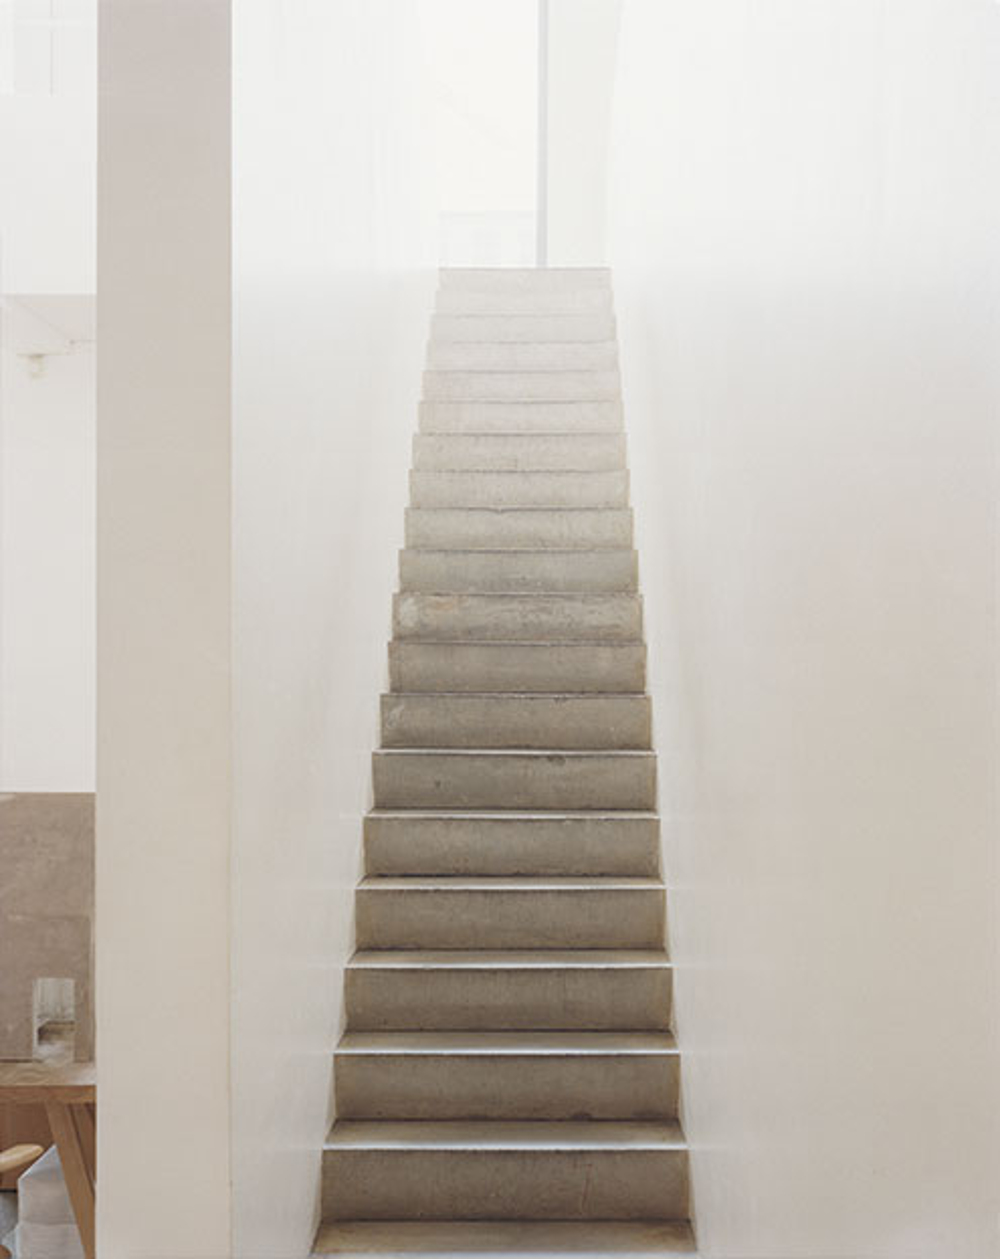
x=164 y=731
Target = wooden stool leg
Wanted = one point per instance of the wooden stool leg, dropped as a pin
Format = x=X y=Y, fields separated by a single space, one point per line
x=78 y=1176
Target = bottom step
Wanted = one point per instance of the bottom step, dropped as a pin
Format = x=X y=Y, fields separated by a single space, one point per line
x=505 y=1170
x=400 y=1239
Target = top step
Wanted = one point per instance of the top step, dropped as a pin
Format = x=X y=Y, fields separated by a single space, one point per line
x=524 y=279
x=528 y=299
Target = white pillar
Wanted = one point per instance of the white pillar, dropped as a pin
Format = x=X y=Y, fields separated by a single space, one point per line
x=164 y=732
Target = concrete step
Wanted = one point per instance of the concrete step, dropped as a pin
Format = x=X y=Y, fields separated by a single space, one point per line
x=541 y=571
x=494 y=720
x=470 y=528
x=532 y=618
x=521 y=329
x=524 y=279
x=509 y=913
x=518 y=489
x=548 y=668
x=521 y=417
x=374 y=1169
x=522 y=356
x=537 y=1239
x=583 y=386
x=507 y=1075
x=570 y=301
x=463 y=779
x=402 y=843
x=519 y=452
x=547 y=990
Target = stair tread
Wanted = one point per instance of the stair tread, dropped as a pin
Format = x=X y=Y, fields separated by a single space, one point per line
x=544 y=343
x=505 y=1134
x=520 y=371
x=516 y=509
x=491 y=1043
x=603 y=595
x=530 y=1239
x=520 y=472
x=574 y=551
x=615 y=437
x=518 y=642
x=589 y=697
x=540 y=753
x=520 y=815
x=507 y=959
x=539 y=274
x=508 y=883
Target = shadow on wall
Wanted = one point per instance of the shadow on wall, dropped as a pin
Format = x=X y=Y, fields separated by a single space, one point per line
x=46 y=924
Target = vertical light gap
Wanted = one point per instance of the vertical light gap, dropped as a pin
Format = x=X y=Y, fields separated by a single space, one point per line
x=542 y=144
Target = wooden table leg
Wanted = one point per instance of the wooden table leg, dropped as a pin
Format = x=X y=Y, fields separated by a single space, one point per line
x=86 y=1127
x=74 y=1137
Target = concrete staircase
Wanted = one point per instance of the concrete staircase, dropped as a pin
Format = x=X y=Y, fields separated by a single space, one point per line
x=508 y=1083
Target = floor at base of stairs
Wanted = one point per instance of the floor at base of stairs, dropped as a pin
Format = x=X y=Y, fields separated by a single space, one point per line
x=485 y=1240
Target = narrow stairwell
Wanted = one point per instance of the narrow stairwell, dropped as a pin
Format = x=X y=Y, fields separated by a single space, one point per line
x=508 y=1082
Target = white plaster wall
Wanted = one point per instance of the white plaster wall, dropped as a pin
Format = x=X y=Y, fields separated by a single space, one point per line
x=583 y=36
x=47 y=446
x=47 y=208
x=48 y=138
x=806 y=258
x=164 y=631
x=332 y=293
x=48 y=157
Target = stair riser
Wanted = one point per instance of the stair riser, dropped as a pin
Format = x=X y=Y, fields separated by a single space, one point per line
x=519 y=452
x=523 y=279
x=512 y=356
x=519 y=489
x=507 y=1086
x=521 y=386
x=512 y=618
x=521 y=417
x=565 y=530
x=617 y=668
x=620 y=722
x=518 y=572
x=605 y=919
x=499 y=846
x=540 y=999
x=467 y=1184
x=577 y=301
x=521 y=329
x=422 y=780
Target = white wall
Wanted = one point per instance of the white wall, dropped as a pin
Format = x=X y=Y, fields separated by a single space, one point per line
x=333 y=287
x=807 y=277
x=47 y=201
x=47 y=446
x=164 y=627
x=48 y=145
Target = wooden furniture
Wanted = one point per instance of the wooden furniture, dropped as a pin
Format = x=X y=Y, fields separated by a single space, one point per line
x=21 y=1125
x=15 y=1159
x=69 y=1095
